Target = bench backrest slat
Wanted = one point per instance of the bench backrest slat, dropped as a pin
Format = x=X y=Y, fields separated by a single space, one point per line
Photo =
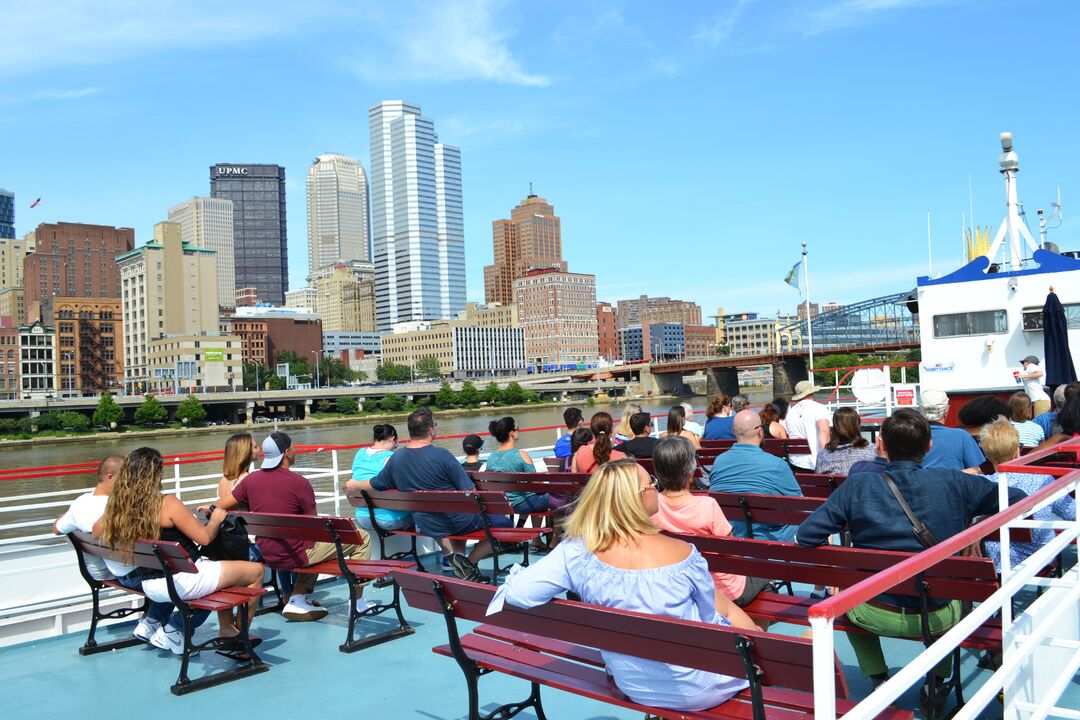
x=784 y=660
x=817 y=484
x=436 y=501
x=775 y=509
x=301 y=527
x=559 y=483
x=143 y=556
x=775 y=446
x=647 y=465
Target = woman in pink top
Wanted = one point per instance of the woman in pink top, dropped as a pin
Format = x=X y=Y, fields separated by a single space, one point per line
x=589 y=457
x=681 y=511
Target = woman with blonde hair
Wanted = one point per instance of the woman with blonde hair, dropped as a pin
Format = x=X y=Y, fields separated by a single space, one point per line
x=239 y=455
x=137 y=510
x=613 y=555
x=623 y=431
x=599 y=451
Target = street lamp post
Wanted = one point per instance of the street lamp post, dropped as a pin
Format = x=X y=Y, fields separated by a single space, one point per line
x=316 y=353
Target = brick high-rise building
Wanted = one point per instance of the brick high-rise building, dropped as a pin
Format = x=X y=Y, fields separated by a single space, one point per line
x=646 y=310
x=557 y=310
x=530 y=240
x=73 y=260
x=607 y=331
x=89 y=344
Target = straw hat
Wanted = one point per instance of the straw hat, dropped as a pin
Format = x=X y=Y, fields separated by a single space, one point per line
x=804 y=388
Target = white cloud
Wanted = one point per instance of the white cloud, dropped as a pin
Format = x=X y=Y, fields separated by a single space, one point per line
x=458 y=40
x=721 y=28
x=851 y=13
x=65 y=94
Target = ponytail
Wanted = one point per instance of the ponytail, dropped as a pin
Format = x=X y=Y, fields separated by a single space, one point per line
x=601 y=425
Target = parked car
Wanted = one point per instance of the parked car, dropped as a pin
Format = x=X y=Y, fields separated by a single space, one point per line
x=263 y=419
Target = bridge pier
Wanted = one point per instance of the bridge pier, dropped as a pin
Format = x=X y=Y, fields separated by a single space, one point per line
x=304 y=410
x=722 y=380
x=788 y=372
x=660 y=383
x=249 y=412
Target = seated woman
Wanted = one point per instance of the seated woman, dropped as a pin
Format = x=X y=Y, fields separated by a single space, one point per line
x=720 y=419
x=772 y=416
x=507 y=458
x=239 y=455
x=367 y=463
x=614 y=556
x=578 y=439
x=846 y=444
x=1021 y=413
x=138 y=510
x=680 y=511
x=590 y=457
x=1001 y=443
x=623 y=431
x=676 y=426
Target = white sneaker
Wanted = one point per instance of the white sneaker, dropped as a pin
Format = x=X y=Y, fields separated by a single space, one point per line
x=362 y=605
x=167 y=638
x=146 y=629
x=302 y=608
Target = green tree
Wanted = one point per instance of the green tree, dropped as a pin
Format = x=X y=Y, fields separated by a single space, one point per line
x=492 y=395
x=263 y=375
x=514 y=394
x=70 y=420
x=337 y=372
x=48 y=421
x=299 y=367
x=190 y=410
x=151 y=411
x=107 y=411
x=347 y=405
x=468 y=396
x=446 y=397
x=429 y=367
x=392 y=402
x=393 y=372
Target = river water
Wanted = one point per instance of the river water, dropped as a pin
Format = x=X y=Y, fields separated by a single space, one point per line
x=344 y=434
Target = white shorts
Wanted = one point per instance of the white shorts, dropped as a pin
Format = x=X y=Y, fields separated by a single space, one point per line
x=189 y=585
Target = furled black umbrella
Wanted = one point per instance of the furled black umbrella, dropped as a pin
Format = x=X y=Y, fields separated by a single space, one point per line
x=1059 y=361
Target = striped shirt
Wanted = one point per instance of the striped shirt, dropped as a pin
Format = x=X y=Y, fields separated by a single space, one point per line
x=1031 y=434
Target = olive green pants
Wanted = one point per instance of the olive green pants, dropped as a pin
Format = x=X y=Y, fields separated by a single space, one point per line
x=902 y=623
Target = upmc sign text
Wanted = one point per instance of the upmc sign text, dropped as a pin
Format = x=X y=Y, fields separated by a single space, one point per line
x=232 y=171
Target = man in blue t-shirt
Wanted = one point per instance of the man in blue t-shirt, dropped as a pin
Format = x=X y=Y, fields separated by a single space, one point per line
x=573 y=419
x=421 y=465
x=950 y=448
x=746 y=468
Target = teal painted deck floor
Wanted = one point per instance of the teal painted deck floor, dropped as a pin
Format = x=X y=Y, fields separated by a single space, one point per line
x=309 y=677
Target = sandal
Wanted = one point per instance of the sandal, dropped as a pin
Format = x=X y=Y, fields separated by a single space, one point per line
x=233 y=648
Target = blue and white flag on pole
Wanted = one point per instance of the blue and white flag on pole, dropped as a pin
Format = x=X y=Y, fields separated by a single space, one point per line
x=792 y=278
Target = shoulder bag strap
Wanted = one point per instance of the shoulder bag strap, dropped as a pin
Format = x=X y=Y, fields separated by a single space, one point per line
x=924 y=534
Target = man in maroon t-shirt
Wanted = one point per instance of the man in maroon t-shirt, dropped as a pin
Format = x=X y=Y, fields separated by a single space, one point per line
x=276 y=489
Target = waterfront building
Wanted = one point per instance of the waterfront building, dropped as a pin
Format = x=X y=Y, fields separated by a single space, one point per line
x=266 y=331
x=700 y=340
x=195 y=363
x=168 y=289
x=607 y=332
x=658 y=342
x=73 y=260
x=529 y=240
x=416 y=217
x=260 y=240
x=355 y=344
x=831 y=306
x=464 y=351
x=751 y=334
x=13 y=254
x=301 y=299
x=491 y=315
x=209 y=223
x=557 y=311
x=7 y=214
x=337 y=212
x=37 y=361
x=11 y=305
x=800 y=310
x=89 y=344
x=646 y=310
x=9 y=359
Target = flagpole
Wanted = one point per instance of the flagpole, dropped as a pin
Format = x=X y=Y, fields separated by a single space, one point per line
x=809 y=320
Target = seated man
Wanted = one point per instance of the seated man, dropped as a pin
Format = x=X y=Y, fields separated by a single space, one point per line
x=274 y=488
x=642 y=444
x=573 y=419
x=86 y=510
x=746 y=468
x=952 y=448
x=942 y=499
x=422 y=465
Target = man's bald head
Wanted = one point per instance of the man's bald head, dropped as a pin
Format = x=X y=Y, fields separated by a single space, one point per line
x=108 y=468
x=746 y=426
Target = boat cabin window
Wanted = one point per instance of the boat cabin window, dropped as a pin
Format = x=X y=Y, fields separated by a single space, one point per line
x=1033 y=321
x=984 y=322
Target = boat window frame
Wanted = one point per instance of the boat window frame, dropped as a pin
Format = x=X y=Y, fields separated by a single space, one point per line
x=1035 y=311
x=934 y=324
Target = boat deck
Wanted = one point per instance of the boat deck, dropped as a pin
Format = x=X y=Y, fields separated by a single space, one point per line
x=398 y=679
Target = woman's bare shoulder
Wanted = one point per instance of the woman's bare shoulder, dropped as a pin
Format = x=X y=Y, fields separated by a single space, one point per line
x=668 y=549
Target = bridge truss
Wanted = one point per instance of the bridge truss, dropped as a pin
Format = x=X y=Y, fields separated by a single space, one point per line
x=881 y=321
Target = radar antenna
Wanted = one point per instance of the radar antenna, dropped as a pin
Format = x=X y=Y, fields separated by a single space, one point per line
x=1012 y=226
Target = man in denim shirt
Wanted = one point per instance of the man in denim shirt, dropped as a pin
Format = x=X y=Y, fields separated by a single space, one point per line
x=944 y=500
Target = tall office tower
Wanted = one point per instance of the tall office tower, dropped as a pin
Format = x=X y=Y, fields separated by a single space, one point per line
x=208 y=223
x=260 y=243
x=530 y=240
x=337 y=212
x=12 y=257
x=7 y=214
x=73 y=260
x=416 y=218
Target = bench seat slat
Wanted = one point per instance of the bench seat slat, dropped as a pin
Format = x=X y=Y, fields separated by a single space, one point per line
x=360 y=568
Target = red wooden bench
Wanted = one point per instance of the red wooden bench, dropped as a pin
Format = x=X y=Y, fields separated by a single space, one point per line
x=969 y=579
x=169 y=558
x=776 y=446
x=818 y=485
x=647 y=464
x=340 y=531
x=559 y=483
x=557 y=644
x=472 y=502
x=554 y=464
x=772 y=509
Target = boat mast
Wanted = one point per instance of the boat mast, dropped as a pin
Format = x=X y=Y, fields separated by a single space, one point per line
x=1011 y=225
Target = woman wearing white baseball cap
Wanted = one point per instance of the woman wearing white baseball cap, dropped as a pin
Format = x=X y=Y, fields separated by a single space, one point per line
x=1033 y=384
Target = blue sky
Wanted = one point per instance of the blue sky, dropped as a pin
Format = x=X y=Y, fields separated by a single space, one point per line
x=688 y=147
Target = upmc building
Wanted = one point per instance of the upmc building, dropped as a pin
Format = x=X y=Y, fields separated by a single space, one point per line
x=260 y=241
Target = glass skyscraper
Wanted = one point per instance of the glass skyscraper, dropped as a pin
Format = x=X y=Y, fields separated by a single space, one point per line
x=337 y=206
x=260 y=242
x=7 y=214
x=416 y=217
